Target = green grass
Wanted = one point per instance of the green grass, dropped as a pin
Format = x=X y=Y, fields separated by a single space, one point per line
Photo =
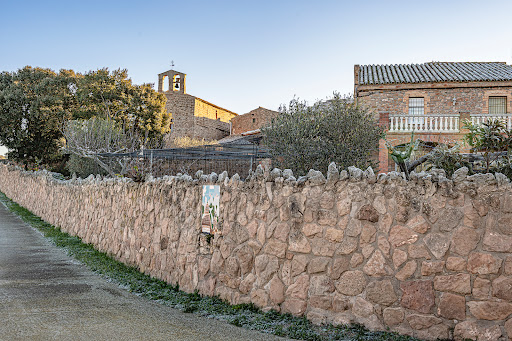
x=242 y=315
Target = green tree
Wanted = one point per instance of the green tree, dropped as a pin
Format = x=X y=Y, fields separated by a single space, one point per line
x=105 y=94
x=34 y=104
x=304 y=137
x=489 y=138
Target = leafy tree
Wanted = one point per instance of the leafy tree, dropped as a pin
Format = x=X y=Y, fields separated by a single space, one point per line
x=115 y=117
x=34 y=103
x=307 y=137
x=489 y=138
x=103 y=93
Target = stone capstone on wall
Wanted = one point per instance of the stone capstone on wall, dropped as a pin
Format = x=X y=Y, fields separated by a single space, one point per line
x=428 y=257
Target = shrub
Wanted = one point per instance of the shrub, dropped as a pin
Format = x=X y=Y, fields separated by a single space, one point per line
x=83 y=167
x=304 y=137
x=447 y=158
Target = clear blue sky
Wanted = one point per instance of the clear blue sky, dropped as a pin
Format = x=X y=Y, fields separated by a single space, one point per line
x=245 y=54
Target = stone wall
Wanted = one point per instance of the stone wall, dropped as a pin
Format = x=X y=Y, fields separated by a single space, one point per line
x=181 y=107
x=196 y=118
x=211 y=111
x=430 y=257
x=210 y=129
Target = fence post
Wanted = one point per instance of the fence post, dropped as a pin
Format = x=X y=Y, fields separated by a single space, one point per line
x=151 y=163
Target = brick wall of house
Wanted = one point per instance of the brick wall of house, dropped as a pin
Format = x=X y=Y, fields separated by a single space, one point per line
x=253 y=120
x=439 y=98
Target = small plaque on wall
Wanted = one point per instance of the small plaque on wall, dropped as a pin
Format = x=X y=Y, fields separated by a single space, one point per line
x=210 y=209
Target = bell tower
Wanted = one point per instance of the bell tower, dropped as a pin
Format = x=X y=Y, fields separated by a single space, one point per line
x=172 y=81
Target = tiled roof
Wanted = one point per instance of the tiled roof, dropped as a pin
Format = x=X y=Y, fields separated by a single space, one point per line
x=234 y=139
x=434 y=72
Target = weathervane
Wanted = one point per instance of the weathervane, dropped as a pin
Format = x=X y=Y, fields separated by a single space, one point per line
x=172 y=63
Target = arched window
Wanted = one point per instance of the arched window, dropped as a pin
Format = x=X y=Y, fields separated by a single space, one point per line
x=176 y=83
x=165 y=83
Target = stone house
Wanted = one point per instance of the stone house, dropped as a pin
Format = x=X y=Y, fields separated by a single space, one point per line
x=433 y=99
x=252 y=121
x=192 y=116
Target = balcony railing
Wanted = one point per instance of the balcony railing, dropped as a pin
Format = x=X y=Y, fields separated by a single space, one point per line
x=424 y=123
x=482 y=118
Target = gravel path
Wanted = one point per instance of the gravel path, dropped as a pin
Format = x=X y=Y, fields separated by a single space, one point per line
x=46 y=295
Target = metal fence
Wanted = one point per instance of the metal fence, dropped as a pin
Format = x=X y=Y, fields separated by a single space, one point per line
x=233 y=158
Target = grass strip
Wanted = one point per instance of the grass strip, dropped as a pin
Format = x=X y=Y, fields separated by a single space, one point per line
x=242 y=315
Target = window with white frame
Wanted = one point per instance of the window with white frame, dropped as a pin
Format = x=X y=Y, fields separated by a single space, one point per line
x=416 y=106
x=498 y=105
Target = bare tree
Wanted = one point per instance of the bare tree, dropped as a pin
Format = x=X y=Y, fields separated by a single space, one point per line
x=93 y=137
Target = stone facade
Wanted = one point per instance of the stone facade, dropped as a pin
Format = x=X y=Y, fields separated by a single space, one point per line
x=462 y=99
x=192 y=116
x=254 y=119
x=429 y=257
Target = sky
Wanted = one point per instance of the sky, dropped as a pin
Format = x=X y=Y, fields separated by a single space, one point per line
x=244 y=54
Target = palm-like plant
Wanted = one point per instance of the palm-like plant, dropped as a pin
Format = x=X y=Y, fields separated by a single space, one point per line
x=490 y=138
x=401 y=156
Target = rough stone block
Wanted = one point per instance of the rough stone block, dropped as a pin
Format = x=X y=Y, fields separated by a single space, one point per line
x=401 y=235
x=376 y=265
x=368 y=212
x=473 y=330
x=393 y=316
x=381 y=292
x=299 y=289
x=351 y=283
x=481 y=288
x=437 y=243
x=320 y=285
x=294 y=306
x=483 y=263
x=459 y=283
x=452 y=306
x=464 y=240
x=502 y=288
x=407 y=271
x=432 y=268
x=490 y=310
x=418 y=322
x=455 y=264
x=417 y=295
